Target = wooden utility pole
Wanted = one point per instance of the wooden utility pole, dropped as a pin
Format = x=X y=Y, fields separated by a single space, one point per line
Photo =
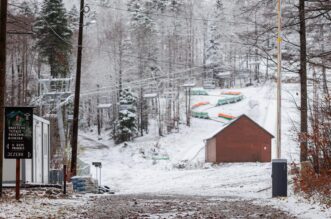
x=98 y=112
x=3 y=21
x=303 y=82
x=77 y=93
x=279 y=81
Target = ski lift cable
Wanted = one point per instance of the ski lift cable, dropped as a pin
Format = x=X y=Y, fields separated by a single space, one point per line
x=148 y=79
x=105 y=51
x=137 y=82
x=154 y=77
x=67 y=100
x=177 y=17
x=158 y=14
x=165 y=76
x=109 y=52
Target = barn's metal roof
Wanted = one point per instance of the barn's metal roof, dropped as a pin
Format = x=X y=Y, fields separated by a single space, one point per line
x=234 y=121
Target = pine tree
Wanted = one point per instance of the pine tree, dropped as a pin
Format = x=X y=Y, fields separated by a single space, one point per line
x=176 y=6
x=214 y=53
x=160 y=5
x=73 y=18
x=53 y=37
x=144 y=39
x=126 y=126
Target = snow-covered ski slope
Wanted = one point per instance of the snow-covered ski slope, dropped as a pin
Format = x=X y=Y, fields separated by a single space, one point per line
x=174 y=164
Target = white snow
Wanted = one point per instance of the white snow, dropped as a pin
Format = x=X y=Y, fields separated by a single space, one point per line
x=153 y=164
x=174 y=164
x=151 y=95
x=104 y=106
x=224 y=75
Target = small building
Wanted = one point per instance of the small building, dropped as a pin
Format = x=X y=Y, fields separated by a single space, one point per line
x=224 y=79
x=241 y=140
x=35 y=170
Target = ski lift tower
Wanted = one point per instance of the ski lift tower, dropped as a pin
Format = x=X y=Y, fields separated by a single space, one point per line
x=209 y=82
x=53 y=93
x=188 y=85
x=51 y=90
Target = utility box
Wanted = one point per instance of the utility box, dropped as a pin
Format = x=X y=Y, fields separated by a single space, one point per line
x=279 y=178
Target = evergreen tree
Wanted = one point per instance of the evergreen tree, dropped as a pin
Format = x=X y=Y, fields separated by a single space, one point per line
x=53 y=37
x=176 y=6
x=214 y=53
x=160 y=5
x=73 y=18
x=144 y=40
x=126 y=126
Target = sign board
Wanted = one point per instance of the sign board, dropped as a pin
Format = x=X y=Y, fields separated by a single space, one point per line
x=18 y=132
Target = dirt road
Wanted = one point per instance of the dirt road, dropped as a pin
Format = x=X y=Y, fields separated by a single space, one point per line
x=146 y=206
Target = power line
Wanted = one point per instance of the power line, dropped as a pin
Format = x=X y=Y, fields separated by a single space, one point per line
x=131 y=84
x=177 y=17
x=161 y=15
x=109 y=52
x=166 y=76
x=151 y=78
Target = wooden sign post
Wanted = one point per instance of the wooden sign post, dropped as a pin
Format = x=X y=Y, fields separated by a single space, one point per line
x=18 y=137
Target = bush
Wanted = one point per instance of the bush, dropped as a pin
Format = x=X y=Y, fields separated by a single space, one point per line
x=313 y=185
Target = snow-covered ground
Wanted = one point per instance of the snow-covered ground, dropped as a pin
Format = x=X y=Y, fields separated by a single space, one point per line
x=174 y=164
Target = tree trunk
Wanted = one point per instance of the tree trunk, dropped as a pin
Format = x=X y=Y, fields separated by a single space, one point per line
x=3 y=21
x=12 y=98
x=303 y=82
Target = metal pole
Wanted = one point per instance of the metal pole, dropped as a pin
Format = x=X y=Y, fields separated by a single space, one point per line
x=100 y=175
x=187 y=122
x=3 y=22
x=17 y=193
x=279 y=78
x=64 y=179
x=189 y=107
x=96 y=173
x=77 y=92
x=98 y=112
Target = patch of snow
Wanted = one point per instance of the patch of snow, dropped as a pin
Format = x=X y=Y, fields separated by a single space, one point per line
x=131 y=169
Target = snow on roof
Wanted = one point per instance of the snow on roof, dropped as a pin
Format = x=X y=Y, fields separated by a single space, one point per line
x=220 y=129
x=233 y=121
x=50 y=115
x=57 y=93
x=188 y=85
x=38 y=118
x=198 y=88
x=150 y=95
x=104 y=105
x=224 y=74
x=55 y=79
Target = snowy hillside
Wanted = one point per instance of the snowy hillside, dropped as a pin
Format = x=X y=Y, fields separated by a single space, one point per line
x=174 y=164
x=142 y=84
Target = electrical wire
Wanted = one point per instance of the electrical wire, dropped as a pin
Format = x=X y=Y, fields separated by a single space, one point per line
x=177 y=17
x=105 y=51
x=147 y=79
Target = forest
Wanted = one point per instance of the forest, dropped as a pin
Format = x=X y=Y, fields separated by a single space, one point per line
x=142 y=57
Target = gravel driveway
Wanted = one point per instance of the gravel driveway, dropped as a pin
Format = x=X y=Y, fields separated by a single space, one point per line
x=149 y=206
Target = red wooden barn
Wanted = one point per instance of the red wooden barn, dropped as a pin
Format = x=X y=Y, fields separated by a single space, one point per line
x=242 y=140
